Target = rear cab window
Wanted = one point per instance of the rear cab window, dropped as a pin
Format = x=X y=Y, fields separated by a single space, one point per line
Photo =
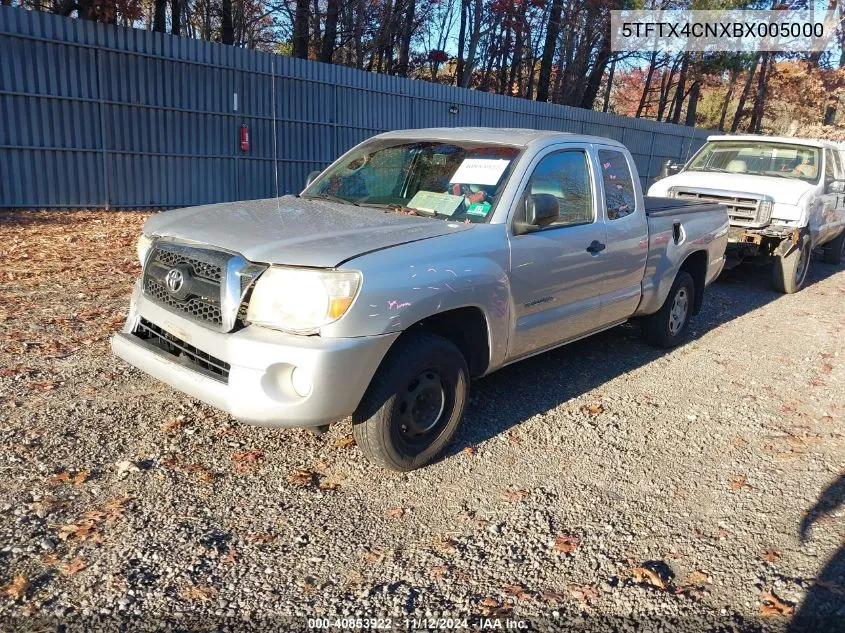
x=619 y=197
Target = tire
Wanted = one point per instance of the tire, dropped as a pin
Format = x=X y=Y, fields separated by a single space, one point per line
x=835 y=249
x=414 y=404
x=790 y=272
x=668 y=326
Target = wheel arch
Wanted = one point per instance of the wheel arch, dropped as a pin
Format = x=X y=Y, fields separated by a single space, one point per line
x=696 y=265
x=467 y=328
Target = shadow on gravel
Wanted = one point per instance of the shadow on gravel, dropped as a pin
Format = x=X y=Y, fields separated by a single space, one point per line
x=823 y=608
x=539 y=384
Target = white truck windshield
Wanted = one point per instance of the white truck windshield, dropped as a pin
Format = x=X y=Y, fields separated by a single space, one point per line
x=781 y=160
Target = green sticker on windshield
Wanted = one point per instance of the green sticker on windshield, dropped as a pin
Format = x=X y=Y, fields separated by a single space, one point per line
x=479 y=208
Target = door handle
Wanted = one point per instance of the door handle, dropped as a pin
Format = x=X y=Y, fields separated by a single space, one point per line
x=596 y=247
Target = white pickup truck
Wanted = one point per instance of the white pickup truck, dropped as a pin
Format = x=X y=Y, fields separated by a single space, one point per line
x=785 y=197
x=418 y=260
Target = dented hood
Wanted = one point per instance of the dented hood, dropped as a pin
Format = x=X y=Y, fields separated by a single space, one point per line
x=296 y=231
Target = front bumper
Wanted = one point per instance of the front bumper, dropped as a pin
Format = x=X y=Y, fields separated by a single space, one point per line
x=258 y=389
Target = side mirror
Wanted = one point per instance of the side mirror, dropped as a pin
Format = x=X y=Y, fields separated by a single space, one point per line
x=312 y=177
x=670 y=168
x=836 y=186
x=541 y=209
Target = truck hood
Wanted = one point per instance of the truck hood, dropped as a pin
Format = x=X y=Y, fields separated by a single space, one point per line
x=783 y=190
x=296 y=231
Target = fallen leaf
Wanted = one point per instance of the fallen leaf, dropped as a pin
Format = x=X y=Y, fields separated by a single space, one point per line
x=644 y=575
x=261 y=538
x=771 y=555
x=395 y=513
x=246 y=461
x=471 y=450
x=373 y=556
x=740 y=481
x=552 y=596
x=231 y=557
x=585 y=594
x=827 y=368
x=567 y=543
x=697 y=578
x=171 y=426
x=329 y=485
x=302 y=477
x=489 y=602
x=592 y=409
x=514 y=438
x=771 y=605
x=74 y=567
x=348 y=441
x=445 y=545
x=515 y=495
x=17 y=588
x=203 y=593
x=438 y=571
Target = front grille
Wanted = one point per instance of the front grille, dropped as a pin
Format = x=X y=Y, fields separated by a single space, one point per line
x=199 y=309
x=214 y=284
x=203 y=269
x=172 y=344
x=742 y=211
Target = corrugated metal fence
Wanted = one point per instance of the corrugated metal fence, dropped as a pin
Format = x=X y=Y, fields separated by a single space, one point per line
x=93 y=115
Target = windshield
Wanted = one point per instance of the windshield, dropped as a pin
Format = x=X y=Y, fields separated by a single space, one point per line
x=781 y=160
x=455 y=180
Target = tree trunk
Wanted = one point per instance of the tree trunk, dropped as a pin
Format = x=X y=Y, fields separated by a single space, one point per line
x=740 y=107
x=680 y=92
x=300 y=28
x=549 y=48
x=593 y=84
x=760 y=96
x=359 y=34
x=159 y=16
x=330 y=33
x=462 y=36
x=474 y=40
x=405 y=39
x=728 y=96
x=647 y=86
x=176 y=17
x=694 y=92
x=612 y=70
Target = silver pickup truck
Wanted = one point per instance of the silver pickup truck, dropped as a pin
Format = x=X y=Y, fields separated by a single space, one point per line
x=419 y=260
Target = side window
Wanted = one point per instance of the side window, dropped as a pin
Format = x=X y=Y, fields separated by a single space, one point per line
x=618 y=184
x=829 y=166
x=566 y=176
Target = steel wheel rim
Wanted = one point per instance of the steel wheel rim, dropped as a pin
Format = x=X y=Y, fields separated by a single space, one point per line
x=803 y=265
x=421 y=406
x=678 y=313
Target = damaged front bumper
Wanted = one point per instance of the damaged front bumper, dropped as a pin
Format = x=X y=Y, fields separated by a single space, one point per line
x=259 y=376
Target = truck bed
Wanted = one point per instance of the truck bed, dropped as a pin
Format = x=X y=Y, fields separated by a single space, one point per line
x=657 y=207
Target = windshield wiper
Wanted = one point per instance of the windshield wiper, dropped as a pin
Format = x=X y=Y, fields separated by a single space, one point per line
x=331 y=198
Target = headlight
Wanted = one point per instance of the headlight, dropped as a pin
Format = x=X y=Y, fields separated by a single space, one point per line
x=143 y=247
x=301 y=300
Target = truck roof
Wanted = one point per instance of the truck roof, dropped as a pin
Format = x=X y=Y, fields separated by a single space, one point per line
x=812 y=142
x=520 y=137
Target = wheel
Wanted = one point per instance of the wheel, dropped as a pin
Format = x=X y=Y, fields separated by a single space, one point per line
x=790 y=272
x=413 y=407
x=668 y=326
x=835 y=249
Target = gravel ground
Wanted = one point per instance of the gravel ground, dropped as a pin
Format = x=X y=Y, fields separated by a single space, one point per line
x=604 y=485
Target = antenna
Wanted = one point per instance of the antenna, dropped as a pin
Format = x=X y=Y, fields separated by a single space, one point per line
x=273 y=101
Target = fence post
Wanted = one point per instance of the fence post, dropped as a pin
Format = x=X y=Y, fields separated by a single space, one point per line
x=101 y=109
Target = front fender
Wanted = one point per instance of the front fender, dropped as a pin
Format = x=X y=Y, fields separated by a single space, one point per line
x=404 y=285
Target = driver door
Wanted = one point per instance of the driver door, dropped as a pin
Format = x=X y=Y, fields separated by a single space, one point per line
x=556 y=282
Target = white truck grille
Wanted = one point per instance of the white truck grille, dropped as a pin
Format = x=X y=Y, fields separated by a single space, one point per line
x=743 y=210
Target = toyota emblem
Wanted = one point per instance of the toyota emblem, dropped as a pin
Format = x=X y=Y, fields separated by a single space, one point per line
x=174 y=280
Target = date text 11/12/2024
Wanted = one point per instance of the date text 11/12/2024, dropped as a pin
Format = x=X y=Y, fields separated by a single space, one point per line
x=419 y=624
